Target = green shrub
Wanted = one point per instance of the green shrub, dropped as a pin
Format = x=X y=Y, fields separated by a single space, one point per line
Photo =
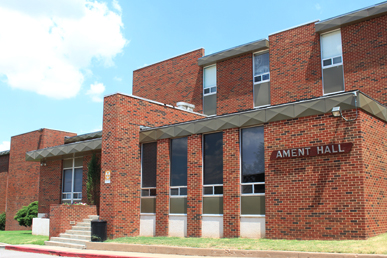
x=93 y=180
x=25 y=215
x=2 y=221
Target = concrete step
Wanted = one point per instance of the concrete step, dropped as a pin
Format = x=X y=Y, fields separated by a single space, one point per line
x=84 y=224
x=92 y=217
x=72 y=236
x=69 y=240
x=78 y=232
x=81 y=228
x=54 y=243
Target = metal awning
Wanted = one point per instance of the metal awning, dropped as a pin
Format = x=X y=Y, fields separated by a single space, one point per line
x=76 y=147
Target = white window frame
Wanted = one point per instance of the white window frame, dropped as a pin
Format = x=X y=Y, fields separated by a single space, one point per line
x=212 y=86
x=146 y=188
x=178 y=189
x=261 y=74
x=240 y=168
x=72 y=193
x=332 y=64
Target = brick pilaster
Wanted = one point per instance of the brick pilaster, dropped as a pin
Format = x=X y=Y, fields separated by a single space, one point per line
x=162 y=184
x=231 y=185
x=194 y=186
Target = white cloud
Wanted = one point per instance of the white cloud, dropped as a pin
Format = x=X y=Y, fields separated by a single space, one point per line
x=116 y=6
x=119 y=79
x=317 y=6
x=47 y=46
x=5 y=146
x=96 y=91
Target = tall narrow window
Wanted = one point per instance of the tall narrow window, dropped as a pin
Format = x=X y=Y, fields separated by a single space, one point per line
x=213 y=173
x=178 y=194
x=332 y=62
x=261 y=79
x=148 y=177
x=72 y=180
x=253 y=171
x=209 y=90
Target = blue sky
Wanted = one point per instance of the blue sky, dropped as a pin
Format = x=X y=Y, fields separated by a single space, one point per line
x=59 y=58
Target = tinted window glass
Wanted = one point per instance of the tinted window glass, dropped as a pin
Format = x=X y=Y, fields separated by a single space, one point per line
x=261 y=64
x=149 y=164
x=67 y=180
x=213 y=158
x=179 y=162
x=78 y=179
x=253 y=159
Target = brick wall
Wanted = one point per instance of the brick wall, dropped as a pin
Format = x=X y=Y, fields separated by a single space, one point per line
x=4 y=161
x=231 y=183
x=194 y=186
x=62 y=215
x=235 y=84
x=50 y=185
x=374 y=166
x=23 y=176
x=295 y=65
x=120 y=200
x=364 y=57
x=173 y=80
x=162 y=184
x=50 y=188
x=318 y=197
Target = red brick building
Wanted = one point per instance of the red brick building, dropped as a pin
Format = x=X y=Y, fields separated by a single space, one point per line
x=283 y=138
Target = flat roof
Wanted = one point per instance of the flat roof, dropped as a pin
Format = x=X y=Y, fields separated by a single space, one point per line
x=2 y=153
x=351 y=17
x=235 y=51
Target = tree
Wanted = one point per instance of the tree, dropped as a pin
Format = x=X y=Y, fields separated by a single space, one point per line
x=2 y=221
x=25 y=215
x=93 y=179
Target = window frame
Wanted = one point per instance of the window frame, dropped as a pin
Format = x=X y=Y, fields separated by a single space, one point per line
x=210 y=185
x=71 y=193
x=212 y=86
x=262 y=52
x=332 y=65
x=146 y=188
x=241 y=184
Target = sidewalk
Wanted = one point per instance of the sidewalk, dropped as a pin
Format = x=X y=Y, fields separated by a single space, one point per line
x=200 y=252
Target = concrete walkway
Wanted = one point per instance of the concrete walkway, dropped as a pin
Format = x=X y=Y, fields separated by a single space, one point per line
x=71 y=252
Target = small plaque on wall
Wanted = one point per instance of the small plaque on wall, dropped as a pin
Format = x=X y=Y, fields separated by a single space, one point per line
x=107 y=177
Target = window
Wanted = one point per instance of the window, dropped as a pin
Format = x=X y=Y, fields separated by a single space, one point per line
x=148 y=177
x=213 y=173
x=72 y=180
x=332 y=62
x=209 y=90
x=253 y=171
x=261 y=79
x=178 y=184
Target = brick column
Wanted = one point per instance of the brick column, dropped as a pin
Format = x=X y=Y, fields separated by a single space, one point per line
x=194 y=186
x=120 y=199
x=231 y=183
x=162 y=191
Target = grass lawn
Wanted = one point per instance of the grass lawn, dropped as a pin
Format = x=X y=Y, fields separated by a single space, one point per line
x=21 y=237
x=374 y=245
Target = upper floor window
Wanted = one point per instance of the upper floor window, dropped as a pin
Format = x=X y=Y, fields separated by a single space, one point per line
x=209 y=90
x=261 y=79
x=209 y=80
x=72 y=180
x=332 y=62
x=261 y=68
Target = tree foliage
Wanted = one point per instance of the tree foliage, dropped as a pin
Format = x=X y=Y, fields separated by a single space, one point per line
x=93 y=179
x=25 y=215
x=2 y=221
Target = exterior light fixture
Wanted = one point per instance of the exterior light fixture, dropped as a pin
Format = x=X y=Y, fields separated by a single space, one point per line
x=336 y=111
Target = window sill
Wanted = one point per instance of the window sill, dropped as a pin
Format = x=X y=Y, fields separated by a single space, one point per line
x=252 y=216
